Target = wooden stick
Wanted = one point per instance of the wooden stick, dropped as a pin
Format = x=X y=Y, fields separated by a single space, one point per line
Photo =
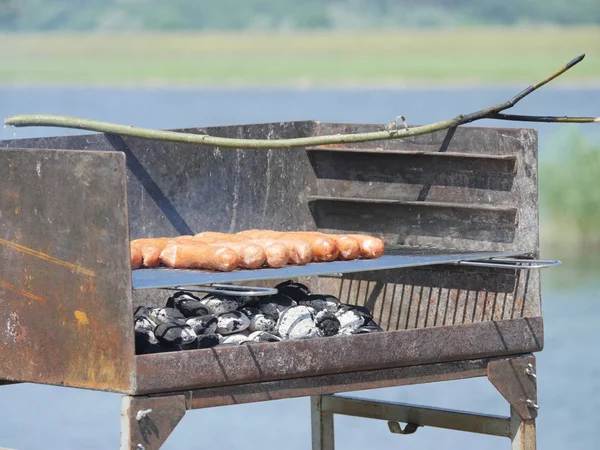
x=389 y=132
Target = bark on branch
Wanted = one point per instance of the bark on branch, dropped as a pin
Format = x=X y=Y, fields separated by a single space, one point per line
x=390 y=132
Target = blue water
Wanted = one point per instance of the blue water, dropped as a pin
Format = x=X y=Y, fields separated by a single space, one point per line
x=35 y=417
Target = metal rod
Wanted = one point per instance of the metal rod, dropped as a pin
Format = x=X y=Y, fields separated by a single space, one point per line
x=227 y=289
x=512 y=263
x=418 y=415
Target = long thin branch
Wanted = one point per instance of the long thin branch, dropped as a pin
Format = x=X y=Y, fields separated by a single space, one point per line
x=493 y=112
x=561 y=119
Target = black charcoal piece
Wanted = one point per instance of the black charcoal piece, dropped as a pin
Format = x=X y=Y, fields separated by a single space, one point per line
x=369 y=329
x=160 y=315
x=250 y=311
x=327 y=322
x=219 y=304
x=262 y=322
x=169 y=333
x=262 y=336
x=232 y=322
x=189 y=305
x=297 y=322
x=206 y=324
x=144 y=324
x=273 y=305
x=172 y=300
x=362 y=310
x=296 y=291
x=321 y=302
x=207 y=341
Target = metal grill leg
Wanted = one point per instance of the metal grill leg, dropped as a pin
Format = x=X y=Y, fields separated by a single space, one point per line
x=321 y=425
x=147 y=422
x=523 y=435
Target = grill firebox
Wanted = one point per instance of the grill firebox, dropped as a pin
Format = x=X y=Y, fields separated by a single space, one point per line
x=70 y=205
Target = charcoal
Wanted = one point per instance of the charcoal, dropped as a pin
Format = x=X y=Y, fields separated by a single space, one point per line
x=141 y=311
x=219 y=304
x=350 y=320
x=189 y=305
x=369 y=329
x=297 y=322
x=327 y=322
x=144 y=324
x=160 y=315
x=274 y=305
x=321 y=302
x=262 y=336
x=206 y=324
x=232 y=322
x=262 y=322
x=362 y=310
x=250 y=311
x=205 y=341
x=235 y=339
x=170 y=333
x=295 y=291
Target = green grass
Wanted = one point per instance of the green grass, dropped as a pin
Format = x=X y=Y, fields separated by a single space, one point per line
x=570 y=195
x=461 y=56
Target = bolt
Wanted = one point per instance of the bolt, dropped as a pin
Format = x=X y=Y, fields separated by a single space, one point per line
x=531 y=404
x=142 y=413
x=529 y=371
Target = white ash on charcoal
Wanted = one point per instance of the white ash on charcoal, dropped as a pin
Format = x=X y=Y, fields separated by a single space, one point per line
x=205 y=341
x=160 y=315
x=235 y=339
x=189 y=305
x=274 y=305
x=297 y=322
x=258 y=320
x=321 y=302
x=295 y=291
x=262 y=336
x=220 y=304
x=206 y=324
x=232 y=322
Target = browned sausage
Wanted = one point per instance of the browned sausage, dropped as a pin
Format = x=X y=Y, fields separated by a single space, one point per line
x=277 y=253
x=370 y=247
x=348 y=246
x=199 y=256
x=136 y=256
x=251 y=256
x=300 y=251
x=258 y=234
x=219 y=236
x=323 y=247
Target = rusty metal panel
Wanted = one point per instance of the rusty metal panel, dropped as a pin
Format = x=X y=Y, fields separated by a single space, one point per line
x=65 y=281
x=196 y=369
x=328 y=384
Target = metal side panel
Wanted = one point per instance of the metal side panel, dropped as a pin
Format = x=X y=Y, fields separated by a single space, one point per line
x=65 y=281
x=224 y=366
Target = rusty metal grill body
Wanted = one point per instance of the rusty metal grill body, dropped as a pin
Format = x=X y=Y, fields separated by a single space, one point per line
x=69 y=206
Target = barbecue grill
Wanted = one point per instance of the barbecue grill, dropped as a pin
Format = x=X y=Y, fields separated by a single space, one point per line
x=457 y=291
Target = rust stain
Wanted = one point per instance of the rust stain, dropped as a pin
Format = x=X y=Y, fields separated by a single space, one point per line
x=81 y=317
x=45 y=257
x=22 y=292
x=17 y=211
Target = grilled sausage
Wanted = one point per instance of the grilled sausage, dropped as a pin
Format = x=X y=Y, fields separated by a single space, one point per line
x=136 y=256
x=300 y=251
x=323 y=247
x=250 y=256
x=277 y=253
x=199 y=256
x=370 y=247
x=219 y=236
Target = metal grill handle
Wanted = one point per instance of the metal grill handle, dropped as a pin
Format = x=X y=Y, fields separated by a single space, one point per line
x=512 y=263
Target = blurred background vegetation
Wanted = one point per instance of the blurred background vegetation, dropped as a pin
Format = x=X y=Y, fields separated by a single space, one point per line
x=136 y=15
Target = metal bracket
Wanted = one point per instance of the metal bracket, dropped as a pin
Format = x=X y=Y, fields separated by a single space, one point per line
x=512 y=263
x=396 y=428
x=516 y=380
x=227 y=289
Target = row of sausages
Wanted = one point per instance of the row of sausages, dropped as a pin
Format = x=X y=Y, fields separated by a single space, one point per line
x=251 y=249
